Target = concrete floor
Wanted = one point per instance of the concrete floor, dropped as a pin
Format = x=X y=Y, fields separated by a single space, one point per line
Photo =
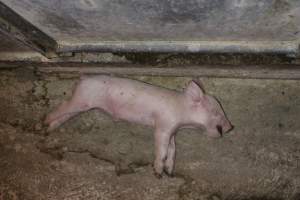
x=93 y=157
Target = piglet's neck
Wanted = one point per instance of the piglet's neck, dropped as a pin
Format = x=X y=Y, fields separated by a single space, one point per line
x=190 y=115
x=185 y=113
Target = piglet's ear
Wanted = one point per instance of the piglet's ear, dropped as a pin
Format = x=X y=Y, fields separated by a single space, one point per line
x=194 y=91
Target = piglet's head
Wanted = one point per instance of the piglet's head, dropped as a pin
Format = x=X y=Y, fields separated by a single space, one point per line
x=205 y=110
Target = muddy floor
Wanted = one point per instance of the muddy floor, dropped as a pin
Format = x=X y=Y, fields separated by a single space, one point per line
x=93 y=157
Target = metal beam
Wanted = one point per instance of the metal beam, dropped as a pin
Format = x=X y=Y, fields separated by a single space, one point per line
x=15 y=26
x=290 y=48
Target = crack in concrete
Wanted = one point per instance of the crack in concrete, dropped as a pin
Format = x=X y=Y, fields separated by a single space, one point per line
x=119 y=168
x=44 y=82
x=186 y=189
x=45 y=95
x=91 y=154
x=183 y=189
x=55 y=152
x=58 y=153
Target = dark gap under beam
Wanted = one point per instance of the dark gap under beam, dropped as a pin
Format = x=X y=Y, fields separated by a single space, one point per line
x=291 y=72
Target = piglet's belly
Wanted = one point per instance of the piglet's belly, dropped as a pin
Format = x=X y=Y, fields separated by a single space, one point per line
x=138 y=118
x=131 y=111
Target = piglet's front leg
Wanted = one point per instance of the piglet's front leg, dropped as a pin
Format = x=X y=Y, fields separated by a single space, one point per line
x=162 y=137
x=169 y=164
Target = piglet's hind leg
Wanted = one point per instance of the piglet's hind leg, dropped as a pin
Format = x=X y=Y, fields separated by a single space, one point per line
x=64 y=112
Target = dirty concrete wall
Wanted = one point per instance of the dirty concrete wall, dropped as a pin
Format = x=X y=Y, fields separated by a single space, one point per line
x=93 y=157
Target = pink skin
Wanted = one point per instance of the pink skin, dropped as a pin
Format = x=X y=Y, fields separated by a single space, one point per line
x=134 y=101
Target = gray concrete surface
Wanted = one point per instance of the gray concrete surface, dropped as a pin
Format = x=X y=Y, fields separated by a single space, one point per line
x=259 y=26
x=92 y=157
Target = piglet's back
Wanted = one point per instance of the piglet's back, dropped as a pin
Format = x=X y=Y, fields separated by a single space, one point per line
x=134 y=100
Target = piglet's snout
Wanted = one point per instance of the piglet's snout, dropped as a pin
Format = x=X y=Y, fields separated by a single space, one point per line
x=224 y=128
x=228 y=127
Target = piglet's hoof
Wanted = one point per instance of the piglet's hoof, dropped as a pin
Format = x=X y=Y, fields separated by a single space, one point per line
x=157 y=175
x=171 y=175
